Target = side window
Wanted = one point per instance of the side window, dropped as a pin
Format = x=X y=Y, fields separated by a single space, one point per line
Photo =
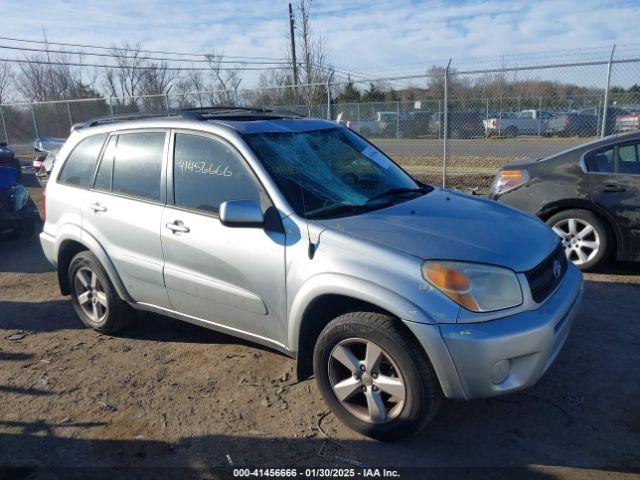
x=628 y=160
x=78 y=168
x=105 y=170
x=206 y=173
x=137 y=164
x=601 y=162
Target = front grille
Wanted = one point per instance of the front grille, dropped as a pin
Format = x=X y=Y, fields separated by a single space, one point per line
x=542 y=280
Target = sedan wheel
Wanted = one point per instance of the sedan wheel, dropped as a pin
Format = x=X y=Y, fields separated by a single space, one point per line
x=366 y=380
x=580 y=239
x=90 y=294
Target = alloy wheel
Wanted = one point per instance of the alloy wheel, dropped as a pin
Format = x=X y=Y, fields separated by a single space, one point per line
x=580 y=239
x=366 y=381
x=90 y=295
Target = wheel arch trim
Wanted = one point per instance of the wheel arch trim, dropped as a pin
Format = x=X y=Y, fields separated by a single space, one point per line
x=74 y=233
x=347 y=286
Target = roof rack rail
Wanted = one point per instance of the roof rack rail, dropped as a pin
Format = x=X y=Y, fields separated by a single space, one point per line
x=199 y=114
x=127 y=116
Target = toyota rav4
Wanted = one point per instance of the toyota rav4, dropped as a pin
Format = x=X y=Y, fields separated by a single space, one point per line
x=300 y=235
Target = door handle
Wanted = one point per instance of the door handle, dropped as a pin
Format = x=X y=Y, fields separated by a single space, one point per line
x=613 y=189
x=178 y=227
x=96 y=207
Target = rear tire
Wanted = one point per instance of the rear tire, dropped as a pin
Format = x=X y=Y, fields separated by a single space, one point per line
x=585 y=237
x=390 y=390
x=94 y=298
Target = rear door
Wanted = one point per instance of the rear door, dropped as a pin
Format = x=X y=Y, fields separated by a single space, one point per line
x=614 y=181
x=123 y=210
x=233 y=277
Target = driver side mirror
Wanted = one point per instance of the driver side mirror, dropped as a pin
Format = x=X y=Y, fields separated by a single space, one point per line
x=241 y=213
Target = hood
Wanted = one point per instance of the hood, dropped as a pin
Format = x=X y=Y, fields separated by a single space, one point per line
x=445 y=225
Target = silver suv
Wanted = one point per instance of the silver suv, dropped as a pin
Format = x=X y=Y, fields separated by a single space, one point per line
x=300 y=235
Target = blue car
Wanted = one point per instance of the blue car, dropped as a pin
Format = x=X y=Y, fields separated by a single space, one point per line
x=18 y=213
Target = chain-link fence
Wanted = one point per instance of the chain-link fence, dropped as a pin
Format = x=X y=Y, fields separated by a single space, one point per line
x=453 y=125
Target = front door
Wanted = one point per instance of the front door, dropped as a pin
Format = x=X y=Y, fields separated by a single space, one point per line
x=231 y=277
x=614 y=182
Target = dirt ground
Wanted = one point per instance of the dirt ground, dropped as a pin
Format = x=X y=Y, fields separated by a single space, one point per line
x=175 y=400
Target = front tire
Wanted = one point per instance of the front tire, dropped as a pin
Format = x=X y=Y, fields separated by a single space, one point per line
x=585 y=237
x=375 y=377
x=94 y=298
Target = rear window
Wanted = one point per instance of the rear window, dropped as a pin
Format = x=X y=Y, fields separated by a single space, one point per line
x=78 y=168
x=137 y=165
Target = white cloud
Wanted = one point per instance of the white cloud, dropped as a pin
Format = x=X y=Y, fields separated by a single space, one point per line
x=360 y=34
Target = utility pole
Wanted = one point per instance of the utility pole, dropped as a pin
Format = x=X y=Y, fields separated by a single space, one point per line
x=293 y=45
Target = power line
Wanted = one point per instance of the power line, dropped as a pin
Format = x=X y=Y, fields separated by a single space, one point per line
x=102 y=47
x=110 y=55
x=144 y=67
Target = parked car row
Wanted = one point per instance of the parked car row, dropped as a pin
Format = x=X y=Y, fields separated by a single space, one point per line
x=471 y=124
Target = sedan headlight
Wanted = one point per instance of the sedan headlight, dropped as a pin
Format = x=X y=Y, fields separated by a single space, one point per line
x=508 y=180
x=476 y=287
x=20 y=197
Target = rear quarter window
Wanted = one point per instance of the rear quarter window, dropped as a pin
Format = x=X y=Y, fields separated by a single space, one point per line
x=601 y=162
x=78 y=169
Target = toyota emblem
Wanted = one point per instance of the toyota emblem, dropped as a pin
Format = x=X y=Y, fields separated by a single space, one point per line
x=557 y=269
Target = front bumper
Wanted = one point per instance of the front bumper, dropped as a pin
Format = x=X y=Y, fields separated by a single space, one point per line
x=490 y=358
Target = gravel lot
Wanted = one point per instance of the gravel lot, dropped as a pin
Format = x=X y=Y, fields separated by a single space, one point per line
x=168 y=394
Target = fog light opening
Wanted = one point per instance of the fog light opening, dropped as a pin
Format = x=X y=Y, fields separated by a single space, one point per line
x=500 y=371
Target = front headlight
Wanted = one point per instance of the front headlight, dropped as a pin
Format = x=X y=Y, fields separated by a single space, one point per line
x=20 y=196
x=476 y=287
x=508 y=180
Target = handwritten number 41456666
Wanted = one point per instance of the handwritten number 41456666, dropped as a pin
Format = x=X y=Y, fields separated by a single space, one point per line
x=205 y=168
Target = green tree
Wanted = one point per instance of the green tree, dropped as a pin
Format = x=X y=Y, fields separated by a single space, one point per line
x=373 y=94
x=349 y=95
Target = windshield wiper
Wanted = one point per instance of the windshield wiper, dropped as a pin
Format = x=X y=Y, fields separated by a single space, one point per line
x=397 y=191
x=340 y=208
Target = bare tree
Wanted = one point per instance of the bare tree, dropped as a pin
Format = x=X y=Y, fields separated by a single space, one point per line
x=225 y=81
x=190 y=89
x=125 y=80
x=157 y=81
x=6 y=80
x=33 y=79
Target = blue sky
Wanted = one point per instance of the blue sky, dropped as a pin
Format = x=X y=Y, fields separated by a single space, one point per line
x=361 y=34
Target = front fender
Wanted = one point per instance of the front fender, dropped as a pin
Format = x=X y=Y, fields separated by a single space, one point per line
x=345 y=285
